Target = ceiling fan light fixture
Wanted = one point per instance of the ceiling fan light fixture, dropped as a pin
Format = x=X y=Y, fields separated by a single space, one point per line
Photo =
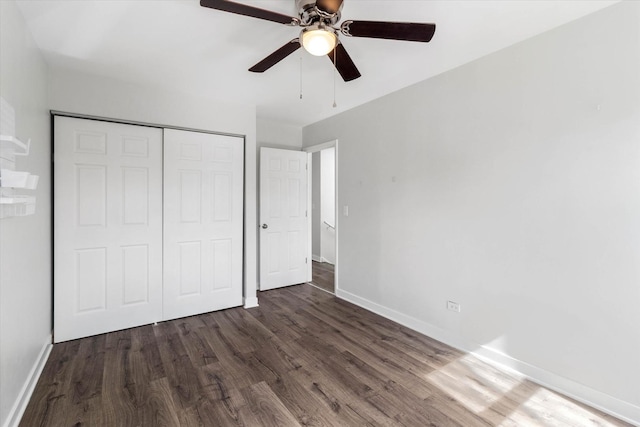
x=318 y=41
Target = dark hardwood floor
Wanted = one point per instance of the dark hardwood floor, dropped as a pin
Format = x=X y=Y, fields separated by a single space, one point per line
x=303 y=357
x=323 y=276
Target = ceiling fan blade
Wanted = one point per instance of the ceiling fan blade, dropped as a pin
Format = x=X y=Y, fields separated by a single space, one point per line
x=276 y=56
x=417 y=32
x=343 y=63
x=329 y=6
x=255 y=12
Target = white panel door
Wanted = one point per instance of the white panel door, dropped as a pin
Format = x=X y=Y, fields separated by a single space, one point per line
x=284 y=235
x=107 y=227
x=203 y=220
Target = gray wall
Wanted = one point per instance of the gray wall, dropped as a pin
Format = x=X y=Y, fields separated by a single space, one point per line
x=25 y=242
x=510 y=185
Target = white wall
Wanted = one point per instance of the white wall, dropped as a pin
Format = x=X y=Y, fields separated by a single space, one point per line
x=274 y=134
x=328 y=204
x=93 y=95
x=25 y=242
x=510 y=185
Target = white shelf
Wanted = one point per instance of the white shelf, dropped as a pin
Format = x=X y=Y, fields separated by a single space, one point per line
x=18 y=179
x=12 y=200
x=7 y=141
x=11 y=147
x=17 y=206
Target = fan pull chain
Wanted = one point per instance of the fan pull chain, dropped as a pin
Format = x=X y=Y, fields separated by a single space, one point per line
x=335 y=71
x=301 y=77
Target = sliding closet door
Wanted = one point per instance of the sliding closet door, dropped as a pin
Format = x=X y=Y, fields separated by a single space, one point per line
x=203 y=219
x=107 y=227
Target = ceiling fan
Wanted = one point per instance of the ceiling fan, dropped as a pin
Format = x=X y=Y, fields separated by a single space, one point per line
x=319 y=36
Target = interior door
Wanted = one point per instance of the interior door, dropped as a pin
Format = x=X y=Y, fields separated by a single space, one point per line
x=107 y=227
x=203 y=220
x=284 y=249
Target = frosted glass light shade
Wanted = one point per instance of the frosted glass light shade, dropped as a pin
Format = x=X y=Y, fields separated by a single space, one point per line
x=318 y=42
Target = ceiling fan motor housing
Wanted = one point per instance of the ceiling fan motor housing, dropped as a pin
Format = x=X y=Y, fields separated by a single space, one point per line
x=310 y=14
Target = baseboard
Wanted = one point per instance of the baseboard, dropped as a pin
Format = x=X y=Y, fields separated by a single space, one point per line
x=594 y=398
x=319 y=288
x=251 y=302
x=316 y=258
x=15 y=415
x=408 y=321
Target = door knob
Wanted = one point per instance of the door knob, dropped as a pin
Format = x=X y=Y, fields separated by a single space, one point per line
x=265 y=226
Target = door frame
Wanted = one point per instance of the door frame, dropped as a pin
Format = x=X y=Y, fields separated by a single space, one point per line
x=310 y=150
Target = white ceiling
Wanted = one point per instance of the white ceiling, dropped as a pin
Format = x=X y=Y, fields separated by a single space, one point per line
x=190 y=49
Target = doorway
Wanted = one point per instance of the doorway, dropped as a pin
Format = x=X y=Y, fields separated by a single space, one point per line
x=284 y=220
x=324 y=227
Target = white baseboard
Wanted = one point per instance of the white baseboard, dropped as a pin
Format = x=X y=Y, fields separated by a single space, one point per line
x=15 y=415
x=611 y=405
x=316 y=258
x=251 y=302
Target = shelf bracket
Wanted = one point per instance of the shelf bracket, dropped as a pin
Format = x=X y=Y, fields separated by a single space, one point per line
x=26 y=149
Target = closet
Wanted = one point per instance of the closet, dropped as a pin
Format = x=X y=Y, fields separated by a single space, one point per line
x=147 y=225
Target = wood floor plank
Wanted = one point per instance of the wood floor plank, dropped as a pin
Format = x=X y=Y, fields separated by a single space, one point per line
x=341 y=401
x=159 y=408
x=277 y=356
x=388 y=341
x=372 y=342
x=85 y=408
x=454 y=410
x=267 y=316
x=236 y=332
x=192 y=336
x=54 y=385
x=144 y=340
x=407 y=412
x=86 y=379
x=87 y=412
x=220 y=397
x=180 y=371
x=348 y=362
x=331 y=372
x=395 y=333
x=304 y=357
x=267 y=407
x=301 y=403
x=236 y=364
x=390 y=365
x=243 y=321
x=119 y=397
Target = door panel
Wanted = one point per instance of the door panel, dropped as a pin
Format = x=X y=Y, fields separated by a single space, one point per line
x=203 y=225
x=107 y=227
x=283 y=209
x=135 y=275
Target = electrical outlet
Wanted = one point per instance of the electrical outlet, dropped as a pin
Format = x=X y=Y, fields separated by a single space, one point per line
x=453 y=306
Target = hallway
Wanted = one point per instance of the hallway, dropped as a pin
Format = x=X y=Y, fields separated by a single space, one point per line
x=323 y=276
